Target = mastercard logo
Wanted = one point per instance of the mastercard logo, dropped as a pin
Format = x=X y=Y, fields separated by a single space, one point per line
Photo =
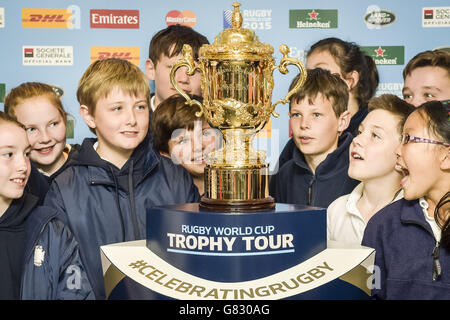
x=185 y=18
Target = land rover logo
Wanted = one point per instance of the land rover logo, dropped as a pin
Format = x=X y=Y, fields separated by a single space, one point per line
x=380 y=18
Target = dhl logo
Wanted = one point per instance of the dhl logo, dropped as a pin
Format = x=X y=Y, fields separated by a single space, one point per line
x=127 y=53
x=47 y=18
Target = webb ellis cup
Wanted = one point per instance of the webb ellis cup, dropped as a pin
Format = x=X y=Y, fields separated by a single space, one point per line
x=237 y=83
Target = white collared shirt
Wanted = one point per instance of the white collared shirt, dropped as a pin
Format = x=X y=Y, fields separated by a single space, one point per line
x=344 y=221
x=95 y=145
x=152 y=103
x=434 y=226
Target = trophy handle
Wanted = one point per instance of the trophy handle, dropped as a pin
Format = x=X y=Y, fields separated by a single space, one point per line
x=285 y=61
x=187 y=61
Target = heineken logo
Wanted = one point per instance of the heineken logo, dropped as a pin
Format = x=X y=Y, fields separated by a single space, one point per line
x=379 y=18
x=386 y=55
x=313 y=19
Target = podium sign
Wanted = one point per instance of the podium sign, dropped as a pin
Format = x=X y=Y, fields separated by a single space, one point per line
x=195 y=254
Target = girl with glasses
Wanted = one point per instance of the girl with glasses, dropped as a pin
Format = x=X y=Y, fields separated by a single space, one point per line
x=412 y=236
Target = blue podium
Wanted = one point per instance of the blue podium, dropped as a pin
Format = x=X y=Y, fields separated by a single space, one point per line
x=276 y=254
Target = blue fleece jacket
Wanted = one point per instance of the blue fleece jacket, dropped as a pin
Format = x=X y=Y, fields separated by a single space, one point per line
x=295 y=183
x=404 y=244
x=103 y=204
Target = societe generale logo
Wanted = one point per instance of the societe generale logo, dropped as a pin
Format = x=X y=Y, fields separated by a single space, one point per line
x=114 y=19
x=185 y=18
x=127 y=53
x=47 y=18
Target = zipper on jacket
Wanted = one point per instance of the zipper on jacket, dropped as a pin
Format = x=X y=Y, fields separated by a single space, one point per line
x=437 y=270
x=309 y=195
x=310 y=189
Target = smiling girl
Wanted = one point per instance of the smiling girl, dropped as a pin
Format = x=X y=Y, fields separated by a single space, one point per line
x=412 y=236
x=39 y=109
x=37 y=251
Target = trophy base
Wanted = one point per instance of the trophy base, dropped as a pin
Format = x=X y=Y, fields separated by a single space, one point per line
x=237 y=206
x=237 y=188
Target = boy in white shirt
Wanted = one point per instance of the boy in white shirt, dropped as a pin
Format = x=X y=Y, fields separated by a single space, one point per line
x=372 y=161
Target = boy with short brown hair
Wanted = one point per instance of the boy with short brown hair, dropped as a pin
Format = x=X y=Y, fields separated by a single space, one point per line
x=317 y=174
x=180 y=135
x=164 y=51
x=427 y=77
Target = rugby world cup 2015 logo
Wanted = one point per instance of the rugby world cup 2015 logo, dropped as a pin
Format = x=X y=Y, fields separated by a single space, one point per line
x=256 y=19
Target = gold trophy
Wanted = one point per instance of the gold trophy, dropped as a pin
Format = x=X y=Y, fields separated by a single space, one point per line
x=237 y=83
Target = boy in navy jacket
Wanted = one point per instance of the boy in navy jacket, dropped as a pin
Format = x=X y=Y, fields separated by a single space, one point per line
x=317 y=174
x=39 y=257
x=111 y=181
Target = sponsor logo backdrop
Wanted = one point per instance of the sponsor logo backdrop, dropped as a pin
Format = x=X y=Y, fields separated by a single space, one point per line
x=54 y=41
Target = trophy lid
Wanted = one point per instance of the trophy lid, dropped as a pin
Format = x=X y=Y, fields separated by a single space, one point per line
x=236 y=43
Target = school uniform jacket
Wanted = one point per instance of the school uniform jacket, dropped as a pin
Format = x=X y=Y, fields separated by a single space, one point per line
x=103 y=204
x=404 y=244
x=295 y=183
x=38 y=183
x=52 y=268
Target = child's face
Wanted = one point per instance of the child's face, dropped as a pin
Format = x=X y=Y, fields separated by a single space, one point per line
x=190 y=147
x=161 y=75
x=425 y=84
x=14 y=161
x=372 y=152
x=419 y=163
x=46 y=130
x=315 y=127
x=120 y=122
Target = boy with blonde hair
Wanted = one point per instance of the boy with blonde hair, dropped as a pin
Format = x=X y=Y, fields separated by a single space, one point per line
x=317 y=173
x=112 y=180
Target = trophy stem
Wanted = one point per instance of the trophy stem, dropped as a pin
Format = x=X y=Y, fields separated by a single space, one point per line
x=237 y=151
x=236 y=176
